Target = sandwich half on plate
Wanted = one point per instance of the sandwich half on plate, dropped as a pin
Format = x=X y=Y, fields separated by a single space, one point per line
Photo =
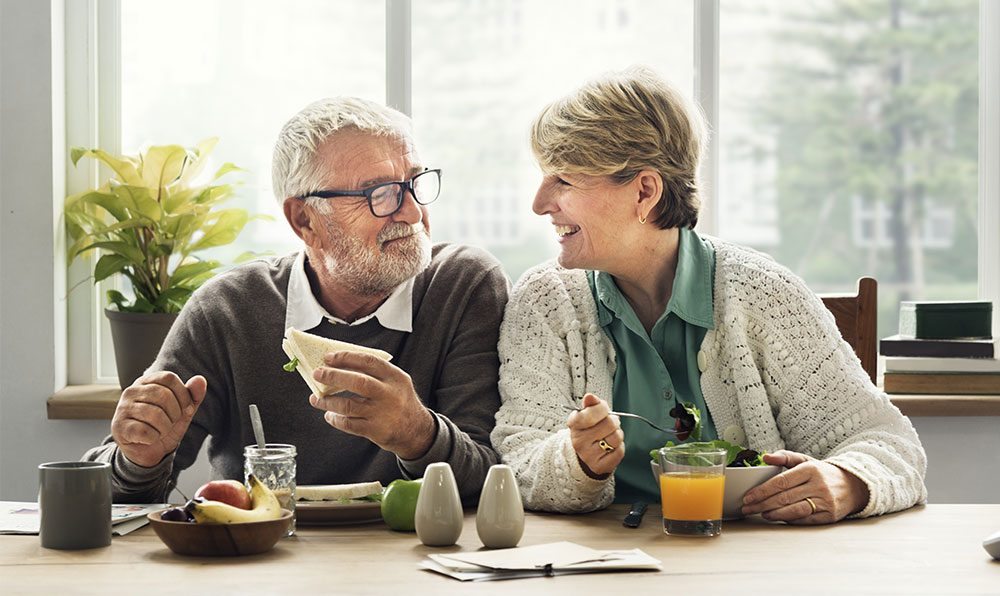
x=307 y=350
x=341 y=493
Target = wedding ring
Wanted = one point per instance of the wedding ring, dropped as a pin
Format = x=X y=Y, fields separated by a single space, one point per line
x=811 y=504
x=608 y=448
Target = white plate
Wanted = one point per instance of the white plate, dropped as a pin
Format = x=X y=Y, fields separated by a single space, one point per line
x=334 y=513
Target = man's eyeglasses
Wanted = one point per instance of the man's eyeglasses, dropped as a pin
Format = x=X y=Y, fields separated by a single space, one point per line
x=386 y=198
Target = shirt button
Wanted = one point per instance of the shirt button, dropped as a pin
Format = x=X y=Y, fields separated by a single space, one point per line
x=702 y=361
x=734 y=435
x=668 y=395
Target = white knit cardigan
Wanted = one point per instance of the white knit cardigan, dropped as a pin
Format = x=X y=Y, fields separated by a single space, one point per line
x=775 y=366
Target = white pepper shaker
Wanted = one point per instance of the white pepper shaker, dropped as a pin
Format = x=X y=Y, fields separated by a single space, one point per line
x=439 y=517
x=500 y=517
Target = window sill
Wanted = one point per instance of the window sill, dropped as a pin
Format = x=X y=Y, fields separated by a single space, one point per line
x=946 y=405
x=84 y=402
x=98 y=402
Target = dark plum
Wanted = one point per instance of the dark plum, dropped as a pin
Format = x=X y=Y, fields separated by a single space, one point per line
x=176 y=514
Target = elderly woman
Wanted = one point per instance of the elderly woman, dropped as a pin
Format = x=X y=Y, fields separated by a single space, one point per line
x=642 y=312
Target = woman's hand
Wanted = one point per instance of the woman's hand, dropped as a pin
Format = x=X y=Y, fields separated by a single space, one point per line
x=811 y=491
x=597 y=437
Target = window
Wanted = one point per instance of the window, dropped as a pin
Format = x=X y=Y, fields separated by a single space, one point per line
x=848 y=135
x=842 y=126
x=477 y=89
x=237 y=70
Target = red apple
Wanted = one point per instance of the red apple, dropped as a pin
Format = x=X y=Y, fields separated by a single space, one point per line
x=231 y=492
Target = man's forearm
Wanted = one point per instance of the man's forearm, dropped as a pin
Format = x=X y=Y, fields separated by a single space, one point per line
x=468 y=458
x=130 y=482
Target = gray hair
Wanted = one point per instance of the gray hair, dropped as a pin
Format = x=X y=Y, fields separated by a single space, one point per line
x=620 y=124
x=294 y=171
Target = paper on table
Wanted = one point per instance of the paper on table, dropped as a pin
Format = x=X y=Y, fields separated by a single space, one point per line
x=130 y=525
x=21 y=517
x=556 y=554
x=558 y=558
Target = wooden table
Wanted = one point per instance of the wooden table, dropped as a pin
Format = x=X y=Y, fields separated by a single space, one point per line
x=935 y=549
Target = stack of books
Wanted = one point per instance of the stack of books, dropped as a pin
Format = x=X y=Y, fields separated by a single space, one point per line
x=942 y=348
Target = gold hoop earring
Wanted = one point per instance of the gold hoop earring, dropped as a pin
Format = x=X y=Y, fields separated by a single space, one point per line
x=642 y=219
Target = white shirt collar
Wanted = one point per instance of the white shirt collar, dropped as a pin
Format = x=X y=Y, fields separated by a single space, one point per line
x=305 y=312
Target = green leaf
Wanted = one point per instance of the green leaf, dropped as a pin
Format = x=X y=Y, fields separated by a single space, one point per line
x=110 y=231
x=138 y=200
x=290 y=367
x=76 y=153
x=195 y=281
x=225 y=229
x=118 y=299
x=251 y=255
x=108 y=265
x=121 y=248
x=161 y=165
x=105 y=200
x=142 y=305
x=198 y=159
x=173 y=299
x=124 y=168
x=225 y=169
x=151 y=215
x=219 y=193
x=731 y=450
x=189 y=270
x=655 y=453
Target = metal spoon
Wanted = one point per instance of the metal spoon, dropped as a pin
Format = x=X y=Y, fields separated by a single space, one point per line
x=628 y=415
x=258 y=428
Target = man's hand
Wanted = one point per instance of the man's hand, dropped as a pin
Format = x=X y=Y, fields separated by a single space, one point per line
x=384 y=409
x=154 y=413
x=835 y=493
x=591 y=426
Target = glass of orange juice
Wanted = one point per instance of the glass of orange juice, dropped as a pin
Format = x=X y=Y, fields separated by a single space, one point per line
x=692 y=485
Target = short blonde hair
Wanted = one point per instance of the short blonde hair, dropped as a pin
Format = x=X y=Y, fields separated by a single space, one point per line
x=294 y=171
x=620 y=124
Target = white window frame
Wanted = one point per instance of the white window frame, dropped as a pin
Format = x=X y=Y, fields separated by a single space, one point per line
x=93 y=118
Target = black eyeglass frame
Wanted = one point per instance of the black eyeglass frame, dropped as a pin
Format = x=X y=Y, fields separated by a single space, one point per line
x=404 y=186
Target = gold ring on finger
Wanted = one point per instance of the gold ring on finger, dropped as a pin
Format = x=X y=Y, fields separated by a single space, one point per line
x=605 y=446
x=811 y=504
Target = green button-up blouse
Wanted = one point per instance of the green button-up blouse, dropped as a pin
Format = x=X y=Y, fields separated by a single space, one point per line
x=655 y=371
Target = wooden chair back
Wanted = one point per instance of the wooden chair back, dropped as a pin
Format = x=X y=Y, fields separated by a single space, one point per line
x=857 y=319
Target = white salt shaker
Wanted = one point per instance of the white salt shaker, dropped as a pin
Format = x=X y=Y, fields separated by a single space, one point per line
x=439 y=517
x=500 y=517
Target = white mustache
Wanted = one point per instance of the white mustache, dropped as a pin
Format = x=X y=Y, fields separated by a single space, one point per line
x=399 y=230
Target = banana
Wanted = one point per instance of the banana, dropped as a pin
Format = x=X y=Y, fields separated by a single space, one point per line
x=264 y=506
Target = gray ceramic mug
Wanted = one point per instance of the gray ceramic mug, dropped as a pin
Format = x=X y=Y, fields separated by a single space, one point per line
x=74 y=501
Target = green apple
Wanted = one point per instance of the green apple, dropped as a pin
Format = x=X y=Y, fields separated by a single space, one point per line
x=399 y=503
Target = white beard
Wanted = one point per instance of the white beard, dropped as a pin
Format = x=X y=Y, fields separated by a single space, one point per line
x=371 y=272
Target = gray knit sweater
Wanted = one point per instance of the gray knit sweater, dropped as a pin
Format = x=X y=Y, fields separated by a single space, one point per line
x=231 y=331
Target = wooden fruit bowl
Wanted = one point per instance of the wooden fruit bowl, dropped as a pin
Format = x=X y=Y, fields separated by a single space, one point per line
x=220 y=540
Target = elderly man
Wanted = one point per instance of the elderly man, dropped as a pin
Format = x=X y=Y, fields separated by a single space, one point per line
x=353 y=188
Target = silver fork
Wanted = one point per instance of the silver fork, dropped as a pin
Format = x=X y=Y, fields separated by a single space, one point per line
x=629 y=415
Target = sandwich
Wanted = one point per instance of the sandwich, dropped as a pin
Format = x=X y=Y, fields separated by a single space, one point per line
x=307 y=350
x=359 y=491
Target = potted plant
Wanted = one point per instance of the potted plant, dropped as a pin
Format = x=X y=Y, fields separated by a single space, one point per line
x=148 y=220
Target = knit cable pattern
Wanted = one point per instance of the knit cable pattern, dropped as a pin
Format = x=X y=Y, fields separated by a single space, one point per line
x=776 y=367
